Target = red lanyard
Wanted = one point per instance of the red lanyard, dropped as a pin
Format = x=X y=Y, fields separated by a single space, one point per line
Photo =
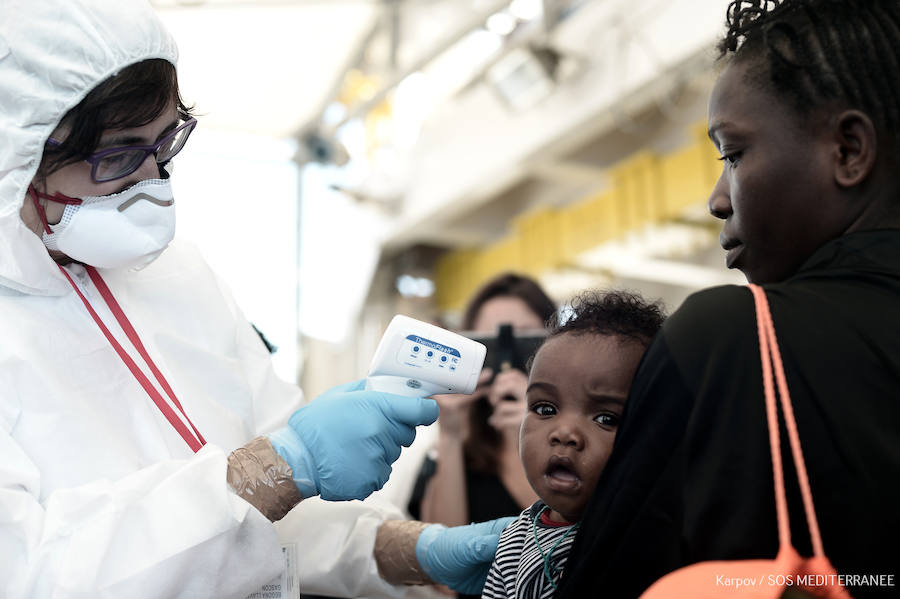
x=195 y=441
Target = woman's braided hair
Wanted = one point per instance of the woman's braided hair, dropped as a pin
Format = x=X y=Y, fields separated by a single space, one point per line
x=814 y=53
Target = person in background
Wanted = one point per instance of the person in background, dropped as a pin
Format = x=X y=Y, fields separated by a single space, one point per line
x=577 y=387
x=806 y=116
x=145 y=444
x=478 y=475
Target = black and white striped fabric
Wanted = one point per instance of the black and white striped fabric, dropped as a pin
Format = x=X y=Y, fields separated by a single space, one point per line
x=518 y=568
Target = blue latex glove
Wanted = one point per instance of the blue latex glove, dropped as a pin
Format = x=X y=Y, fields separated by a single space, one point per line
x=460 y=557
x=341 y=445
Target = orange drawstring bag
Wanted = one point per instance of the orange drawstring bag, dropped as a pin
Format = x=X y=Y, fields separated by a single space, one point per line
x=789 y=575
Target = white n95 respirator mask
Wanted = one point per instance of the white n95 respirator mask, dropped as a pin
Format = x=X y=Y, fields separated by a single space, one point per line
x=128 y=229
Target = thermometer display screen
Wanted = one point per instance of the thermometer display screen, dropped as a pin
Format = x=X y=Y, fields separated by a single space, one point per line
x=419 y=352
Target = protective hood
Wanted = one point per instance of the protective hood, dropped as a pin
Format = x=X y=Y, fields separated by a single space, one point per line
x=52 y=53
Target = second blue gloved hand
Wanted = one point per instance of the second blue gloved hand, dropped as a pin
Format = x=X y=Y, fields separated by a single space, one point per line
x=460 y=557
x=341 y=445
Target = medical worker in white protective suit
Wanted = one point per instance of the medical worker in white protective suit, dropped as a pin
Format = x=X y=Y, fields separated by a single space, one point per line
x=145 y=445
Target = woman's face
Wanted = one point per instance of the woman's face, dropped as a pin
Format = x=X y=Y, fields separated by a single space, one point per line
x=505 y=310
x=74 y=180
x=507 y=385
x=776 y=192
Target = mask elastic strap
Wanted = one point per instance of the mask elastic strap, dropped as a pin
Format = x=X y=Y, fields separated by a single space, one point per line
x=195 y=441
x=57 y=197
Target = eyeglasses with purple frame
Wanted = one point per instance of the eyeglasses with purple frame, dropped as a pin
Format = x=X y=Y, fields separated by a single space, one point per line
x=114 y=163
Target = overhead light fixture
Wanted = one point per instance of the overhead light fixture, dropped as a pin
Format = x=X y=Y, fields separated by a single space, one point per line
x=524 y=76
x=410 y=286
x=324 y=149
x=527 y=10
x=501 y=23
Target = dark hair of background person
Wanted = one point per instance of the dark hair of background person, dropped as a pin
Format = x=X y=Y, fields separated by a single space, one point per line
x=133 y=97
x=611 y=313
x=483 y=445
x=510 y=285
x=814 y=54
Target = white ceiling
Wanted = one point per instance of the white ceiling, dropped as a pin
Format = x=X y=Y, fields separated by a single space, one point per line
x=264 y=67
x=269 y=66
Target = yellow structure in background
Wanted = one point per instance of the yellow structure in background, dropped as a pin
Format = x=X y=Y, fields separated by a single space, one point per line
x=359 y=87
x=646 y=189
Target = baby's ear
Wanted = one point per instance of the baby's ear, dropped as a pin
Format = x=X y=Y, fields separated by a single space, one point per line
x=857 y=147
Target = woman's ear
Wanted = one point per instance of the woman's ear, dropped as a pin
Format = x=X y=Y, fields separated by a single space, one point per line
x=857 y=147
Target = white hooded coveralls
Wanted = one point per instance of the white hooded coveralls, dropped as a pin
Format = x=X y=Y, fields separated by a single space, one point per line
x=99 y=496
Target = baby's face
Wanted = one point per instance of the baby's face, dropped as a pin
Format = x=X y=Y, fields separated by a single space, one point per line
x=576 y=391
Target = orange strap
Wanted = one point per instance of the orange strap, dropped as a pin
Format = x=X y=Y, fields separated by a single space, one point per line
x=770 y=355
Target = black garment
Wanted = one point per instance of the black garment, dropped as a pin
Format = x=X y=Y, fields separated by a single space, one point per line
x=690 y=477
x=486 y=497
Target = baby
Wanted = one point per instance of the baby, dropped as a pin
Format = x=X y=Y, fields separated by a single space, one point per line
x=577 y=386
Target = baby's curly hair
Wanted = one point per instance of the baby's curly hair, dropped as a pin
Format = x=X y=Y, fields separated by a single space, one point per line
x=620 y=313
x=813 y=53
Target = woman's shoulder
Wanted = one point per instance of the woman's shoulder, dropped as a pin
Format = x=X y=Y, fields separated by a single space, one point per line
x=714 y=322
x=715 y=302
x=716 y=309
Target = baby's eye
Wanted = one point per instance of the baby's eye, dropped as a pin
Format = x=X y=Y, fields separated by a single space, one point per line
x=607 y=419
x=543 y=409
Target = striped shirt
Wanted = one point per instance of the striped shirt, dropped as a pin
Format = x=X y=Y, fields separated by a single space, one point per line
x=518 y=568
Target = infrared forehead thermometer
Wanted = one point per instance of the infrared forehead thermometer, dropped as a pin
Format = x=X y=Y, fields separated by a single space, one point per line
x=418 y=359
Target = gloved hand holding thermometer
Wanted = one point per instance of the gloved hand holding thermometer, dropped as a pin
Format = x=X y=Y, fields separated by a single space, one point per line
x=341 y=445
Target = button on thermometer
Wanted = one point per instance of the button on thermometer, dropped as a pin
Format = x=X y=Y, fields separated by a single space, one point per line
x=418 y=359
